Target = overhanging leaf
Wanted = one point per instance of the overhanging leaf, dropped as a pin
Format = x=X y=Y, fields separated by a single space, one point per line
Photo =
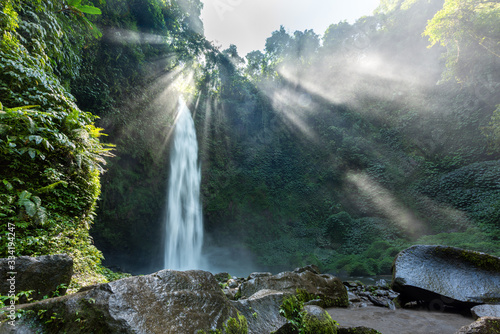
x=74 y=2
x=89 y=10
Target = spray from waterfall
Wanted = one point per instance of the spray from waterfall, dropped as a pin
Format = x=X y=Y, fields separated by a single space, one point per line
x=184 y=223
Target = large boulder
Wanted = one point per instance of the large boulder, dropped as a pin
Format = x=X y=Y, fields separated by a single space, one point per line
x=164 y=302
x=262 y=310
x=326 y=287
x=485 y=310
x=43 y=274
x=485 y=325
x=446 y=275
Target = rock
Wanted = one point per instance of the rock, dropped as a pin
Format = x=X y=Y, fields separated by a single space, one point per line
x=43 y=274
x=353 y=298
x=259 y=274
x=318 y=302
x=230 y=293
x=382 y=283
x=326 y=287
x=486 y=325
x=312 y=268
x=357 y=330
x=164 y=302
x=480 y=311
x=353 y=284
x=287 y=328
x=317 y=320
x=222 y=277
x=262 y=310
x=447 y=275
x=232 y=283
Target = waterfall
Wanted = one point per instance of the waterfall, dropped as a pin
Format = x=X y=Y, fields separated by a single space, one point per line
x=184 y=223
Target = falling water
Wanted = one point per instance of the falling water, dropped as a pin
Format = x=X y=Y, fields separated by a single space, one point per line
x=184 y=225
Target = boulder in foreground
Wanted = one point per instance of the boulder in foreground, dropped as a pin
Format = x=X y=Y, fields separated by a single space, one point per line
x=164 y=302
x=485 y=325
x=446 y=275
x=43 y=274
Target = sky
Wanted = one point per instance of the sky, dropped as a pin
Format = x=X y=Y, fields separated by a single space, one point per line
x=247 y=23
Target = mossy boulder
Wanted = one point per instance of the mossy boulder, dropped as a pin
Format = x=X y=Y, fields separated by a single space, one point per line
x=328 y=288
x=44 y=275
x=164 y=302
x=446 y=275
x=485 y=325
x=317 y=320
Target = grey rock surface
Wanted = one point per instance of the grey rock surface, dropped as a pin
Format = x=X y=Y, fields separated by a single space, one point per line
x=327 y=287
x=485 y=325
x=164 y=302
x=262 y=310
x=43 y=274
x=446 y=274
x=486 y=310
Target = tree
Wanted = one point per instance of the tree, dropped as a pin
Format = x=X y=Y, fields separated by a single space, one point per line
x=470 y=30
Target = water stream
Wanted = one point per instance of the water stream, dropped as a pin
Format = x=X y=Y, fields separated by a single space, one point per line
x=184 y=222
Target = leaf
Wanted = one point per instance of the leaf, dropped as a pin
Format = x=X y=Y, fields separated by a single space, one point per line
x=30 y=208
x=23 y=107
x=32 y=153
x=36 y=200
x=74 y=2
x=36 y=139
x=42 y=214
x=23 y=196
x=89 y=10
x=8 y=185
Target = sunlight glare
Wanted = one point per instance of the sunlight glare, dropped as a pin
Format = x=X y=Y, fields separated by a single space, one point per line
x=384 y=201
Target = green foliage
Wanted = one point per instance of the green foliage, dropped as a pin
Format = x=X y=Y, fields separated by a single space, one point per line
x=50 y=150
x=236 y=326
x=469 y=30
x=291 y=309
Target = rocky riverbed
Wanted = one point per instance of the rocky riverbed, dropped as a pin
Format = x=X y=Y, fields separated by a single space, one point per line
x=196 y=301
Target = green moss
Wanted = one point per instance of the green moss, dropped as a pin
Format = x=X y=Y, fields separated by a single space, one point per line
x=304 y=297
x=314 y=325
x=479 y=260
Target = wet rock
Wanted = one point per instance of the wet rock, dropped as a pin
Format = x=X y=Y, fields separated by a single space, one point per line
x=485 y=325
x=326 y=287
x=353 y=298
x=485 y=310
x=317 y=320
x=258 y=274
x=230 y=293
x=317 y=302
x=382 y=283
x=312 y=268
x=164 y=302
x=287 y=328
x=43 y=274
x=232 y=283
x=262 y=310
x=357 y=330
x=448 y=274
x=222 y=277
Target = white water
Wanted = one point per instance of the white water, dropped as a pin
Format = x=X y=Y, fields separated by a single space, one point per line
x=184 y=223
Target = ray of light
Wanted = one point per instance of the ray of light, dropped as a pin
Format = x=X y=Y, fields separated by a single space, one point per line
x=385 y=202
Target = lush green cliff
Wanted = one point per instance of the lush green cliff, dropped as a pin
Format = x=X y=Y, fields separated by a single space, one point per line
x=337 y=150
